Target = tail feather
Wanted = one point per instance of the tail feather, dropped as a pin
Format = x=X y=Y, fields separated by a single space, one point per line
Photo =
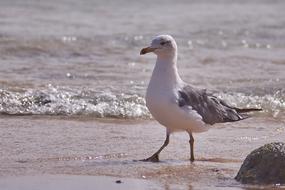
x=245 y=110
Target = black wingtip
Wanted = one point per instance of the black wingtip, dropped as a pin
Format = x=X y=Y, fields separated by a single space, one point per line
x=245 y=110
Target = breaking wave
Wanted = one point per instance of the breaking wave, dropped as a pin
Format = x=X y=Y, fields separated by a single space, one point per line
x=65 y=101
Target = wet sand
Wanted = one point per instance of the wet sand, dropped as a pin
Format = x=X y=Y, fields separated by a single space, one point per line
x=73 y=182
x=49 y=146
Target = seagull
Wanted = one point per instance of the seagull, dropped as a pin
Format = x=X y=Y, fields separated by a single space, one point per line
x=178 y=106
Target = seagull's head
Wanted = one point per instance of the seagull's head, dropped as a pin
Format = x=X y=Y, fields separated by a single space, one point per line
x=162 y=45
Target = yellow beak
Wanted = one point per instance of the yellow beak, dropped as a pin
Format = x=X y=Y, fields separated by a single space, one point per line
x=147 y=50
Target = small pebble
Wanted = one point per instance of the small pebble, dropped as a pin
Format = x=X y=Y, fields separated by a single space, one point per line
x=68 y=75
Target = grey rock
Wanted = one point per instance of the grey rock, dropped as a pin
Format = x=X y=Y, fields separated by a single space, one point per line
x=265 y=165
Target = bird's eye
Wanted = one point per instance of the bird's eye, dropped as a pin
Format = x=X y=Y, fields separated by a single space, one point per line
x=164 y=42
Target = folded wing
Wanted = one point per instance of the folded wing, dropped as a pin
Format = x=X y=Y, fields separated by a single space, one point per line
x=212 y=109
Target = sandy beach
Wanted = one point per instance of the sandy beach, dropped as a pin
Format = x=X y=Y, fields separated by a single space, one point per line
x=42 y=148
x=73 y=113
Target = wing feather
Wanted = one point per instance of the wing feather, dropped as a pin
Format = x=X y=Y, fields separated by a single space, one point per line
x=212 y=109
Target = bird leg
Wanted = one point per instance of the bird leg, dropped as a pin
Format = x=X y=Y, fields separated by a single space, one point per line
x=155 y=156
x=191 y=142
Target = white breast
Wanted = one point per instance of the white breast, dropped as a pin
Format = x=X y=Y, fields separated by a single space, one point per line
x=159 y=102
x=162 y=102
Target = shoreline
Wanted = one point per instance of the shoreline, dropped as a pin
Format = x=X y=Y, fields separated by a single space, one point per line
x=78 y=147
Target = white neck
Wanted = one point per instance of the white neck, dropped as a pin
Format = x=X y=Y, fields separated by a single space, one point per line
x=165 y=74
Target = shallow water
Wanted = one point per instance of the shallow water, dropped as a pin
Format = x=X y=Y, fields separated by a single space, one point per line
x=65 y=65
x=62 y=58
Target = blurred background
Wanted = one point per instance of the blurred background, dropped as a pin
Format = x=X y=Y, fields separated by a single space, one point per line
x=70 y=57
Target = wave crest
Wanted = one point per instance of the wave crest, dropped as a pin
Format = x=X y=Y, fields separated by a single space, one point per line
x=64 y=101
x=67 y=101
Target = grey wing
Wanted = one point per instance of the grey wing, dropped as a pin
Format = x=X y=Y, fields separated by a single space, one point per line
x=212 y=109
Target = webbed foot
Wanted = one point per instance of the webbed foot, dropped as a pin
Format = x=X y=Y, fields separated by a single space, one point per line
x=153 y=158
